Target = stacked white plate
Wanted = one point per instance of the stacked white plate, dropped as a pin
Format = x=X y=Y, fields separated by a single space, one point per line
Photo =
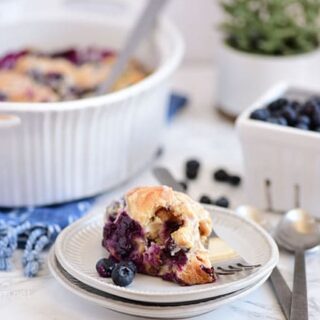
x=78 y=248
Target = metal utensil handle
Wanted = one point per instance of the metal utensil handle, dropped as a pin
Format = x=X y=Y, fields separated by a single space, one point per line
x=144 y=25
x=165 y=177
x=282 y=291
x=299 y=304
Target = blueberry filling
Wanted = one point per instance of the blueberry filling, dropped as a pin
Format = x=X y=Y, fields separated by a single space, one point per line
x=209 y=271
x=59 y=71
x=3 y=97
x=124 y=238
x=121 y=236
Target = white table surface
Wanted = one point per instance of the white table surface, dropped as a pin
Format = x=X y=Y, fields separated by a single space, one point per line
x=197 y=132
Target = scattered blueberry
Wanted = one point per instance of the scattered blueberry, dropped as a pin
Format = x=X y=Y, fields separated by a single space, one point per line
x=184 y=185
x=234 y=180
x=221 y=175
x=222 y=202
x=205 y=199
x=192 y=169
x=260 y=114
x=122 y=275
x=105 y=266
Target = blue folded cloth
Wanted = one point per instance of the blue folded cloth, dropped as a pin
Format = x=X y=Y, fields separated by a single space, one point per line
x=35 y=229
x=176 y=103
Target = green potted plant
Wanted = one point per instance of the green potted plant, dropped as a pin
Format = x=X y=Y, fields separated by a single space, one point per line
x=264 y=42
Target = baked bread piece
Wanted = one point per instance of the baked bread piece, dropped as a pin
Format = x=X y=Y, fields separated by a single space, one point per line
x=162 y=231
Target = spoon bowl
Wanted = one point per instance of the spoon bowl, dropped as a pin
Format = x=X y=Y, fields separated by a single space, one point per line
x=297 y=230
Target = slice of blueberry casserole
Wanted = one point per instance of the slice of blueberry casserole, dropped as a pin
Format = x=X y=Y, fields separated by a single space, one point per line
x=158 y=232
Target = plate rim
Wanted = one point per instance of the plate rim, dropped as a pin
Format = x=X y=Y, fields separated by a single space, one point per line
x=179 y=294
x=166 y=312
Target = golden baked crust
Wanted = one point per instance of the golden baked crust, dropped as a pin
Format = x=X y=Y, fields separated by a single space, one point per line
x=20 y=88
x=157 y=207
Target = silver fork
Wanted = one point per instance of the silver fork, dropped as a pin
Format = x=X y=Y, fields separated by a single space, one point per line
x=230 y=266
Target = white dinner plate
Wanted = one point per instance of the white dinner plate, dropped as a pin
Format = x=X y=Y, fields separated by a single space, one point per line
x=78 y=248
x=139 y=309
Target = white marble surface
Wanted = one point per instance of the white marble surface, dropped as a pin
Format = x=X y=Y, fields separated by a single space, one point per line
x=197 y=132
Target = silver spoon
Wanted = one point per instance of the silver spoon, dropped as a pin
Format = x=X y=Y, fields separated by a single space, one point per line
x=280 y=286
x=298 y=232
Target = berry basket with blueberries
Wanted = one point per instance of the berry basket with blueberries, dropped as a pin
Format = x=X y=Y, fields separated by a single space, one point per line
x=280 y=140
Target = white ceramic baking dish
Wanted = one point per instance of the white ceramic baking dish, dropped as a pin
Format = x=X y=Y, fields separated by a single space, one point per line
x=55 y=152
x=282 y=164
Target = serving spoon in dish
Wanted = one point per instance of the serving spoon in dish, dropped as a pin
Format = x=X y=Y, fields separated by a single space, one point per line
x=141 y=29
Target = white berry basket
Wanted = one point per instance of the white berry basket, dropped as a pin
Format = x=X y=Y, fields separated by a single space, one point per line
x=282 y=164
x=56 y=152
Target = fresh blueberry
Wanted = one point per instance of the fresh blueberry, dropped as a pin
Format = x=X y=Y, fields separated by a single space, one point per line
x=282 y=121
x=278 y=104
x=192 y=169
x=234 y=180
x=302 y=126
x=309 y=108
x=316 y=118
x=184 y=185
x=221 y=175
x=273 y=120
x=193 y=164
x=304 y=119
x=222 y=202
x=260 y=114
x=296 y=105
x=105 y=266
x=205 y=199
x=132 y=266
x=122 y=275
x=290 y=115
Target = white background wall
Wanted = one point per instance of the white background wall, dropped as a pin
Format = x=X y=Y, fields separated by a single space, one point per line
x=197 y=19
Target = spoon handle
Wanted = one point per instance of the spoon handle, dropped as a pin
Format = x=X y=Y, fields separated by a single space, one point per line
x=282 y=291
x=141 y=29
x=299 y=304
